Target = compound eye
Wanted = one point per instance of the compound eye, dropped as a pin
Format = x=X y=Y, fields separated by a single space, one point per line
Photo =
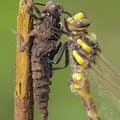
x=85 y=16
x=77 y=24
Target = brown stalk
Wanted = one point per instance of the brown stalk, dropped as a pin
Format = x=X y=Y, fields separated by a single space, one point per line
x=23 y=94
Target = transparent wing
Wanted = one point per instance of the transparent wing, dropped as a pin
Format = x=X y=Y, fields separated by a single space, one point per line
x=105 y=88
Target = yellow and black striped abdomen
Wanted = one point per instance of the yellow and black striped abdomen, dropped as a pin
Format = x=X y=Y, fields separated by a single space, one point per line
x=84 y=48
x=80 y=84
x=78 y=57
x=79 y=77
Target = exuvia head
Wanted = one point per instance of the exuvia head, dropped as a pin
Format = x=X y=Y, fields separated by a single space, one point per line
x=78 y=22
x=52 y=8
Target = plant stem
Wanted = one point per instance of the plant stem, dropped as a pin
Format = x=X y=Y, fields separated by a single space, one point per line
x=23 y=94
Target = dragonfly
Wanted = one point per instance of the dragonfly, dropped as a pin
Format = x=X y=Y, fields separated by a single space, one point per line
x=94 y=77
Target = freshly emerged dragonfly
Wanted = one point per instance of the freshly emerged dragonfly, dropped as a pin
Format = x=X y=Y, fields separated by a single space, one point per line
x=94 y=78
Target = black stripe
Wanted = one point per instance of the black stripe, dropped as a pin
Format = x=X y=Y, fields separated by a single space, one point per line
x=88 y=41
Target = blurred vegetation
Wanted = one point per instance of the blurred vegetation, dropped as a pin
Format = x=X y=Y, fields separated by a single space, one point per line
x=105 y=17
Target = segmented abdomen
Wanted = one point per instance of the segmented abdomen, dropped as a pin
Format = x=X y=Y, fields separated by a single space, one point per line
x=41 y=72
x=79 y=83
x=44 y=43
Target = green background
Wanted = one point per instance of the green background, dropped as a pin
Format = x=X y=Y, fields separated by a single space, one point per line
x=105 y=16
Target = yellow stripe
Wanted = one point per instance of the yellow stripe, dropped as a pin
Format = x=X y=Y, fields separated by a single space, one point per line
x=95 y=115
x=79 y=59
x=77 y=77
x=72 y=21
x=69 y=19
x=82 y=68
x=74 y=33
x=78 y=16
x=84 y=45
x=93 y=105
x=84 y=95
x=90 y=37
x=70 y=38
x=81 y=28
x=76 y=86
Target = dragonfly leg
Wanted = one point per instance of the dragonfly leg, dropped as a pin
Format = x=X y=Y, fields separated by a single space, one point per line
x=63 y=49
x=29 y=11
x=54 y=52
x=60 y=54
x=65 y=12
x=61 y=31
x=66 y=60
x=24 y=44
x=65 y=21
x=38 y=3
x=35 y=8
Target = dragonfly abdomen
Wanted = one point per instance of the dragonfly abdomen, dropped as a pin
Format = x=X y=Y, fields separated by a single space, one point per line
x=81 y=86
x=82 y=60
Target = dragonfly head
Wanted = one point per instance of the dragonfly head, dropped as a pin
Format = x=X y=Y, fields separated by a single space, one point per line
x=78 y=22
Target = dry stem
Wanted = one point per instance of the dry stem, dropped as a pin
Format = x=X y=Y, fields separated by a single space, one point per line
x=23 y=84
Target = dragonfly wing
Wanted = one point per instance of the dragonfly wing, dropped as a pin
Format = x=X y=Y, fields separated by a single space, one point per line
x=105 y=88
